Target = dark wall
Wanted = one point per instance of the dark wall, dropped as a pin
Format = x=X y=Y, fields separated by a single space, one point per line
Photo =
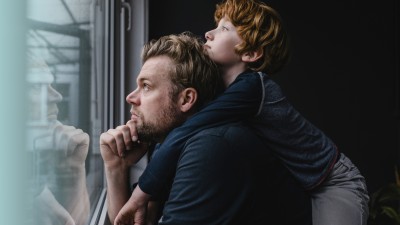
x=343 y=74
x=175 y=16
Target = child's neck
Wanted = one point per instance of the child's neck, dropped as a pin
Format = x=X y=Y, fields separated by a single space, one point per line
x=230 y=73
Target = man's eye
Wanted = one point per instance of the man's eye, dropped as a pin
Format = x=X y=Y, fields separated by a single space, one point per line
x=146 y=87
x=35 y=87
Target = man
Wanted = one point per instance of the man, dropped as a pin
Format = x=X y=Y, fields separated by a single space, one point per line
x=217 y=176
x=58 y=151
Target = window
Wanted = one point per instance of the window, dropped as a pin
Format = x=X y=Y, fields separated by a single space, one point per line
x=77 y=78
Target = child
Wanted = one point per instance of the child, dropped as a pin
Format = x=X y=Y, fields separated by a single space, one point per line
x=249 y=37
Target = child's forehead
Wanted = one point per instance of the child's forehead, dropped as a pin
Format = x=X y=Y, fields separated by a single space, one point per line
x=225 y=19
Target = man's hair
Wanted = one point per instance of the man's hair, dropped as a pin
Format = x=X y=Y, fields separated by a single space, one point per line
x=260 y=27
x=193 y=68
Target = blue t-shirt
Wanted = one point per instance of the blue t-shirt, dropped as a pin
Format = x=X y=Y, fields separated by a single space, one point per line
x=304 y=149
x=226 y=175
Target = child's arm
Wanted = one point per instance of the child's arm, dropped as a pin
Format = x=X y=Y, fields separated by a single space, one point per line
x=241 y=100
x=135 y=209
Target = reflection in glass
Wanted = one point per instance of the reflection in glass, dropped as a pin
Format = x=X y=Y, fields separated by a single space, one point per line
x=59 y=152
x=66 y=171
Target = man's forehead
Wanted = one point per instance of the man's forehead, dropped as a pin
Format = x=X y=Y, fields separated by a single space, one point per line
x=156 y=68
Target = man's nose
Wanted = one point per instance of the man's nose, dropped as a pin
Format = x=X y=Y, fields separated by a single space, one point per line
x=54 y=95
x=133 y=97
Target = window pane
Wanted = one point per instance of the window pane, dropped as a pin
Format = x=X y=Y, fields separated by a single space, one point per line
x=65 y=81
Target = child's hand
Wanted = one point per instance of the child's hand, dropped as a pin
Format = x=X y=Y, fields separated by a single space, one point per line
x=135 y=210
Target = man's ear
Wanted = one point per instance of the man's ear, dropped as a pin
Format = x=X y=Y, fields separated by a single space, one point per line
x=252 y=56
x=187 y=99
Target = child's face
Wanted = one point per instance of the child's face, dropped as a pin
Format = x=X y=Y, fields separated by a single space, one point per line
x=221 y=43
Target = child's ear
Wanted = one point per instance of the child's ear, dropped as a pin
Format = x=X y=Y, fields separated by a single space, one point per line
x=252 y=56
x=187 y=99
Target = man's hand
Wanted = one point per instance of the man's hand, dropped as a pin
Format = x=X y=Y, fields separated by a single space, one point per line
x=72 y=142
x=120 y=150
x=120 y=146
x=67 y=173
x=135 y=210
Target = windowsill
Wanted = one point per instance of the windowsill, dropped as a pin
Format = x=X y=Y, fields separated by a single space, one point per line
x=100 y=214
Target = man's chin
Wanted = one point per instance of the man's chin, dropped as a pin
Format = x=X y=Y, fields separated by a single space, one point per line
x=146 y=135
x=148 y=138
x=52 y=118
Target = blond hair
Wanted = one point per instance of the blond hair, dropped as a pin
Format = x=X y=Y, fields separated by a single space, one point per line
x=193 y=68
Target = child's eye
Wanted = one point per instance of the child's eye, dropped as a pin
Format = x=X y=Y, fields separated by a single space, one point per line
x=224 y=28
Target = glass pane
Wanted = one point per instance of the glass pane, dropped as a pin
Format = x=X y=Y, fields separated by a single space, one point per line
x=64 y=78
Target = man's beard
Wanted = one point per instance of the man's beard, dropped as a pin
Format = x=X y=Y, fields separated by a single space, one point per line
x=158 y=129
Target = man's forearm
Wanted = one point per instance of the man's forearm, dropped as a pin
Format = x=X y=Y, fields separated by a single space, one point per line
x=118 y=190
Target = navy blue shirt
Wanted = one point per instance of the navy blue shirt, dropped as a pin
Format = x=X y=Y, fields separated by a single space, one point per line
x=226 y=175
x=304 y=149
x=235 y=104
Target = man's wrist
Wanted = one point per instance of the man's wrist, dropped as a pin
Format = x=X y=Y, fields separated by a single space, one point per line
x=116 y=172
x=115 y=164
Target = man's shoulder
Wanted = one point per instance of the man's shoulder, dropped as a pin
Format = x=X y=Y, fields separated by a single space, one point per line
x=227 y=131
x=233 y=137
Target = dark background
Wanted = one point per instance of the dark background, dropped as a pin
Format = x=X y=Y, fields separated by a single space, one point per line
x=343 y=75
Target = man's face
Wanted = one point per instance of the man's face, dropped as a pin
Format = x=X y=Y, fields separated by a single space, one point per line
x=153 y=109
x=40 y=95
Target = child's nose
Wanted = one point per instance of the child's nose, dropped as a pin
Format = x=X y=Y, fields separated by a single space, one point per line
x=208 y=35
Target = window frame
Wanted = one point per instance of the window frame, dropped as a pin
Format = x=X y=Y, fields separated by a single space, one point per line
x=126 y=31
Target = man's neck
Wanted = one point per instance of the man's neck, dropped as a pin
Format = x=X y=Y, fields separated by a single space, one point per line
x=180 y=119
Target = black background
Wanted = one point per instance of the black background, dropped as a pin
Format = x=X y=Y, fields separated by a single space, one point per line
x=343 y=75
